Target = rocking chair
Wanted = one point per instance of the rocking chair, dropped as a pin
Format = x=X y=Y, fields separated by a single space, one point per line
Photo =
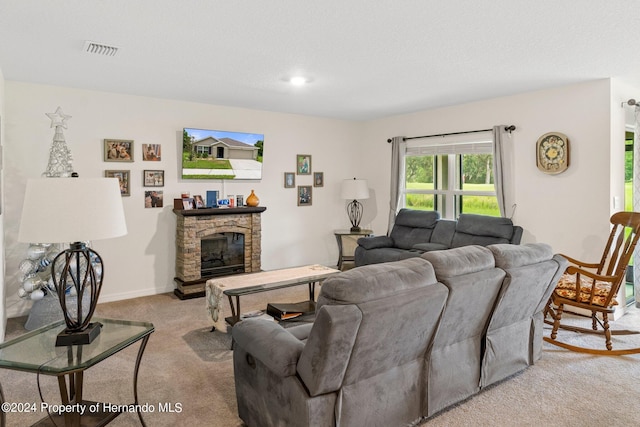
x=598 y=287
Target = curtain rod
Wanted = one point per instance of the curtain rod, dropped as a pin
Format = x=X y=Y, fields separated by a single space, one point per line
x=509 y=129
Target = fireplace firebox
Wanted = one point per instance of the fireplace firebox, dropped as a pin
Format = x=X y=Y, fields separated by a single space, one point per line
x=221 y=254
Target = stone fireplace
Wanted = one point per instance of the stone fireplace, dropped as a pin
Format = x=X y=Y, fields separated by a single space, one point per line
x=215 y=242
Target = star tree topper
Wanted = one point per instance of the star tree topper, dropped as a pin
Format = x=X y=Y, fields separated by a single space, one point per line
x=58 y=118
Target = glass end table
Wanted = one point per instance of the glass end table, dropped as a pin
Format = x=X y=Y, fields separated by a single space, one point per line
x=37 y=353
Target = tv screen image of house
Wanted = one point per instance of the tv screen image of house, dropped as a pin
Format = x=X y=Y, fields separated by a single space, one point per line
x=215 y=154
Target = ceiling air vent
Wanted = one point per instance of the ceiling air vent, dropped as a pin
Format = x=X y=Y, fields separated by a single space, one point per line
x=100 y=49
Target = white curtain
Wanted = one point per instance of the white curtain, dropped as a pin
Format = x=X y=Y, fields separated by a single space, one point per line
x=502 y=174
x=636 y=200
x=397 y=177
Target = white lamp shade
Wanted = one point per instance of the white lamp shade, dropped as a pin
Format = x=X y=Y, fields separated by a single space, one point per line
x=65 y=210
x=353 y=189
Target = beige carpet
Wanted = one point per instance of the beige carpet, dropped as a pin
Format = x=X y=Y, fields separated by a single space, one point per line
x=187 y=364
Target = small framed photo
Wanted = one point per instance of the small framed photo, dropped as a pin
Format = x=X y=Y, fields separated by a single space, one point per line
x=289 y=180
x=303 y=162
x=153 y=199
x=153 y=178
x=187 y=203
x=123 y=179
x=199 y=201
x=151 y=152
x=304 y=195
x=318 y=179
x=118 y=150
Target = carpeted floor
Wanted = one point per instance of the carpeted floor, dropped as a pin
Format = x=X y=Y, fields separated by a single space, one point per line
x=186 y=364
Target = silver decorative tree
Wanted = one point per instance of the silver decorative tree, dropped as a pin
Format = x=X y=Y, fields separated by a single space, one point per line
x=59 y=155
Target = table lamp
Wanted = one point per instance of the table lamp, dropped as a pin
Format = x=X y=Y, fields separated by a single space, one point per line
x=75 y=211
x=353 y=189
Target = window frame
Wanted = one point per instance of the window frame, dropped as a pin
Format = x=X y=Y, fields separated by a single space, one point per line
x=447 y=154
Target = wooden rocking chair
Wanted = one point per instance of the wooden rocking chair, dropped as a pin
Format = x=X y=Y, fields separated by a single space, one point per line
x=599 y=285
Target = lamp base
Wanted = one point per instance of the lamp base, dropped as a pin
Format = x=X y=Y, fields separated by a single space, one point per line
x=79 y=338
x=355 y=229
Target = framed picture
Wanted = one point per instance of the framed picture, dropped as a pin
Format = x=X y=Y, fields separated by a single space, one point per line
x=318 y=179
x=151 y=152
x=118 y=150
x=199 y=201
x=153 y=178
x=304 y=195
x=289 y=180
x=153 y=199
x=303 y=162
x=187 y=203
x=123 y=178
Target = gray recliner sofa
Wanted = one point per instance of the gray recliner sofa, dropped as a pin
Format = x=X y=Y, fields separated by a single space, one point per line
x=416 y=232
x=398 y=342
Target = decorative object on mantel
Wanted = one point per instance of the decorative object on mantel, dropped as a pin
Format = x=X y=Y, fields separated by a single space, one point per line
x=552 y=153
x=354 y=189
x=78 y=268
x=252 y=200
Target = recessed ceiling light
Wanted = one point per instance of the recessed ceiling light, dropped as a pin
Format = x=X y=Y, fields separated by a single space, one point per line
x=298 y=80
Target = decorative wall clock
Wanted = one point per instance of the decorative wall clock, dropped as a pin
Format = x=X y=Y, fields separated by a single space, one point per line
x=552 y=153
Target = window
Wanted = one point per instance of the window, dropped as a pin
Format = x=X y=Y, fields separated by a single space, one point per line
x=451 y=175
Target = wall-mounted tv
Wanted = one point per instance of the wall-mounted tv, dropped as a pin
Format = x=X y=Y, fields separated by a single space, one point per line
x=216 y=154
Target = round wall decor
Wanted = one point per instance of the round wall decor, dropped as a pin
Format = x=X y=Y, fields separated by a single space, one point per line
x=552 y=153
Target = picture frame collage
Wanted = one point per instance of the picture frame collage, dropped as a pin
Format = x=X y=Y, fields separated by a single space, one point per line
x=122 y=151
x=304 y=193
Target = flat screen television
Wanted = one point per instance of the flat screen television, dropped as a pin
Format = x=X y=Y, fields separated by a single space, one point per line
x=216 y=154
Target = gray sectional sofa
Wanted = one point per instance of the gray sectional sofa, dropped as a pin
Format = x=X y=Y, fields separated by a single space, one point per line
x=395 y=343
x=416 y=232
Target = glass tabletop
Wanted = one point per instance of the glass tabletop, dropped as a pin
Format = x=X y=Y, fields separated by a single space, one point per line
x=36 y=351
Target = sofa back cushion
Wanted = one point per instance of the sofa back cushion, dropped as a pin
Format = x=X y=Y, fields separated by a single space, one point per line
x=481 y=230
x=383 y=359
x=513 y=334
x=413 y=226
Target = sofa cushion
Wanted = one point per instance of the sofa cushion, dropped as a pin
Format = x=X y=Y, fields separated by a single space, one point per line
x=514 y=256
x=375 y=242
x=413 y=226
x=460 y=261
x=376 y=281
x=426 y=247
x=481 y=230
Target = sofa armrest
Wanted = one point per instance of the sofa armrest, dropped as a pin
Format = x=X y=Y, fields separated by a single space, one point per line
x=376 y=242
x=270 y=343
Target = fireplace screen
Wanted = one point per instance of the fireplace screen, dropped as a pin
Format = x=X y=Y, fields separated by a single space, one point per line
x=221 y=254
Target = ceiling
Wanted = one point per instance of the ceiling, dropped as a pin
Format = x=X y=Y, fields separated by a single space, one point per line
x=365 y=59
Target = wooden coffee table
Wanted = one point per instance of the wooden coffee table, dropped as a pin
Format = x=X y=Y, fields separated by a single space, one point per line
x=244 y=284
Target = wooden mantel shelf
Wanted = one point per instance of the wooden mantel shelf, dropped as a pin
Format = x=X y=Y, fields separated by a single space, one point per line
x=220 y=211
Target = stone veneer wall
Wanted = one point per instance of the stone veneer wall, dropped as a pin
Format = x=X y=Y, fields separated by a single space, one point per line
x=190 y=229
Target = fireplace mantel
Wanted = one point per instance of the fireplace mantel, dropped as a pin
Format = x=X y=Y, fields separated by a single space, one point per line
x=194 y=224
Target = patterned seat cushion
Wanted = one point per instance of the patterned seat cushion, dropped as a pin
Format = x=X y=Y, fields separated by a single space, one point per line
x=566 y=288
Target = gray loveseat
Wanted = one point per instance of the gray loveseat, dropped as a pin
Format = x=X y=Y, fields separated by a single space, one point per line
x=396 y=343
x=416 y=232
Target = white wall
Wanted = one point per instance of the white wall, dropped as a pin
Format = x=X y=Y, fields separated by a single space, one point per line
x=3 y=293
x=571 y=210
x=142 y=262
